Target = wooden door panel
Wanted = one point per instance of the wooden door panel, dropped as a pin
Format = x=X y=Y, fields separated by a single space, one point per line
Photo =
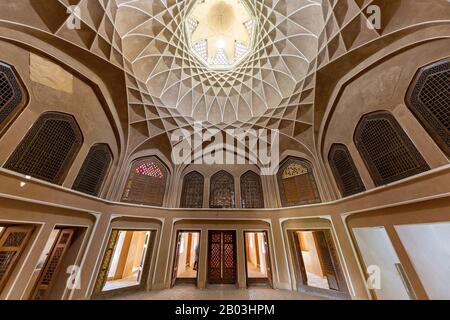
x=13 y=241
x=326 y=260
x=299 y=266
x=229 y=257
x=222 y=257
x=268 y=262
x=53 y=264
x=176 y=260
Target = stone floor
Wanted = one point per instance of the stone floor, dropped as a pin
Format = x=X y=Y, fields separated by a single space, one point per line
x=189 y=292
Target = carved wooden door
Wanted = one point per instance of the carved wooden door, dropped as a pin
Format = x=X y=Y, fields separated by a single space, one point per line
x=53 y=264
x=222 y=257
x=13 y=241
x=326 y=260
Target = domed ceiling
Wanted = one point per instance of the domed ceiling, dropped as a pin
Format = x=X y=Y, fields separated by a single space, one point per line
x=277 y=40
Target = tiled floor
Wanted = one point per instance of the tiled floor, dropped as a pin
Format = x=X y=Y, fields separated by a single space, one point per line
x=189 y=292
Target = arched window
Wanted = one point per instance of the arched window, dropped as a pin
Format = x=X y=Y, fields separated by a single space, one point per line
x=429 y=99
x=94 y=169
x=146 y=183
x=297 y=183
x=192 y=194
x=222 y=191
x=344 y=170
x=11 y=95
x=49 y=148
x=386 y=149
x=251 y=191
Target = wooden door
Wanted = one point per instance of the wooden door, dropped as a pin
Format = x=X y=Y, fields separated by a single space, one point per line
x=104 y=267
x=222 y=257
x=176 y=259
x=268 y=262
x=299 y=266
x=53 y=264
x=326 y=260
x=13 y=241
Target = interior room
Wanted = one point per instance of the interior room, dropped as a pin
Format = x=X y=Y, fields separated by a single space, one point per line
x=128 y=259
x=256 y=253
x=313 y=260
x=224 y=149
x=188 y=255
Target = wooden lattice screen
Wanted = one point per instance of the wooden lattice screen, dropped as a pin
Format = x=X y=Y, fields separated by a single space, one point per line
x=251 y=190
x=49 y=148
x=11 y=94
x=222 y=194
x=297 y=183
x=53 y=264
x=146 y=183
x=386 y=149
x=94 y=169
x=192 y=192
x=344 y=170
x=429 y=99
x=13 y=241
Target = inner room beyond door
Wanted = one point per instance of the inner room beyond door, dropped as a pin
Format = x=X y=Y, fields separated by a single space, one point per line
x=258 y=267
x=316 y=262
x=186 y=261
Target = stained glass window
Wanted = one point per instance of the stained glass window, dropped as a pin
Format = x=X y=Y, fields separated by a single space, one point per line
x=344 y=170
x=94 y=170
x=11 y=94
x=429 y=100
x=192 y=192
x=222 y=194
x=251 y=191
x=386 y=149
x=146 y=183
x=49 y=148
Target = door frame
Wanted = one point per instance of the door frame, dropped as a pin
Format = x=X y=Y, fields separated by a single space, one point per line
x=300 y=271
x=235 y=242
x=174 y=279
x=262 y=281
x=145 y=268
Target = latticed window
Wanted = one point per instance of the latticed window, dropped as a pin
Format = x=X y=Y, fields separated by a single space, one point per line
x=386 y=149
x=429 y=99
x=11 y=94
x=49 y=148
x=146 y=183
x=344 y=170
x=297 y=183
x=222 y=194
x=94 y=170
x=251 y=191
x=192 y=194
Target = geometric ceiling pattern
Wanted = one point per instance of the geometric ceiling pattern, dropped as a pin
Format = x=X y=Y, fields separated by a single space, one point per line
x=299 y=46
x=267 y=81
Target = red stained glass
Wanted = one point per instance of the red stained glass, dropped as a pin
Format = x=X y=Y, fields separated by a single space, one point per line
x=150 y=169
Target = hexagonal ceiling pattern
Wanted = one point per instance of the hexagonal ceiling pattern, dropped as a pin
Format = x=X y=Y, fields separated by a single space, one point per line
x=268 y=81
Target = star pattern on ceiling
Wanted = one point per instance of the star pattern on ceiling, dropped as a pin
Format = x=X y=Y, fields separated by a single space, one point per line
x=267 y=83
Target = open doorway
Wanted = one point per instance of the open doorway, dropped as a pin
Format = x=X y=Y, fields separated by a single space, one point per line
x=316 y=265
x=257 y=258
x=127 y=261
x=185 y=268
